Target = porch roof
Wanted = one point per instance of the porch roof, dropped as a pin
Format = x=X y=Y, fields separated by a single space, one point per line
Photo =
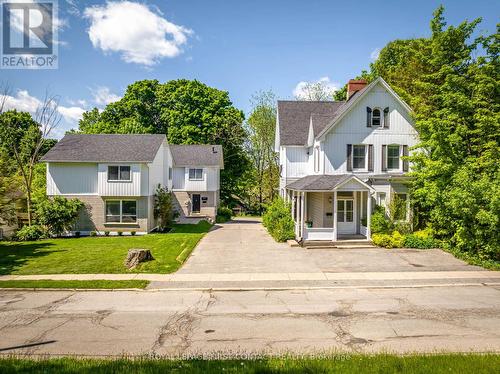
x=326 y=183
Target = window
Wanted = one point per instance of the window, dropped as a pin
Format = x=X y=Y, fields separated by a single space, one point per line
x=345 y=212
x=359 y=157
x=316 y=159
x=196 y=174
x=121 y=211
x=169 y=173
x=393 y=157
x=381 y=198
x=118 y=173
x=376 y=117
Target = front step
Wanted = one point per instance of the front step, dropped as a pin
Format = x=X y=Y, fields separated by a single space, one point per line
x=340 y=244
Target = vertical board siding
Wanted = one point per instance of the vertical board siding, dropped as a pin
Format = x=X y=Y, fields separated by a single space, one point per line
x=195 y=185
x=212 y=179
x=352 y=130
x=71 y=178
x=297 y=162
x=179 y=179
x=131 y=188
x=156 y=174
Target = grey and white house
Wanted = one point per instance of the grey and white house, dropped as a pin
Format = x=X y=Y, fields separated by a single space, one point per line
x=338 y=159
x=116 y=176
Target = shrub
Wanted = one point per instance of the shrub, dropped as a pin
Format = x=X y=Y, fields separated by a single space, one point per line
x=57 y=214
x=403 y=227
x=394 y=240
x=93 y=233
x=33 y=232
x=120 y=233
x=163 y=207
x=132 y=233
x=278 y=220
x=77 y=234
x=380 y=223
x=106 y=233
x=224 y=214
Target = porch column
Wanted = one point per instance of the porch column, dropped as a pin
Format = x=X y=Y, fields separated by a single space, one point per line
x=335 y=224
x=368 y=215
x=302 y=213
x=293 y=205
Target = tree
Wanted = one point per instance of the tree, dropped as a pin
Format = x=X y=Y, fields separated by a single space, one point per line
x=315 y=91
x=341 y=94
x=23 y=138
x=57 y=214
x=261 y=127
x=188 y=112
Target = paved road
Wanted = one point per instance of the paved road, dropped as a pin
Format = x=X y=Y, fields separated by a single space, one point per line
x=193 y=322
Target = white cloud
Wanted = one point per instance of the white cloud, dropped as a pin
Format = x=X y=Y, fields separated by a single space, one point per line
x=71 y=114
x=322 y=89
x=24 y=102
x=104 y=96
x=140 y=35
x=375 y=53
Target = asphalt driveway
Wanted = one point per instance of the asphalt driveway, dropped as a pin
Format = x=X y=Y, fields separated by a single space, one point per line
x=244 y=246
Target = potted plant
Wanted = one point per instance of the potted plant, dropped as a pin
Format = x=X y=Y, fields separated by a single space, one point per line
x=309 y=224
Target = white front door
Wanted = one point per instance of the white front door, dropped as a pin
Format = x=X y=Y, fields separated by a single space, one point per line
x=346 y=216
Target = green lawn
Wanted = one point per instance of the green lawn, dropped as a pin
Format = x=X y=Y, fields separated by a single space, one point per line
x=100 y=254
x=90 y=284
x=425 y=364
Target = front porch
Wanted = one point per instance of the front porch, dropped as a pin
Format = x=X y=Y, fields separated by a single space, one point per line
x=331 y=208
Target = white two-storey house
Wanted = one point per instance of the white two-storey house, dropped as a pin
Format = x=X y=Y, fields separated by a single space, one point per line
x=339 y=159
x=116 y=176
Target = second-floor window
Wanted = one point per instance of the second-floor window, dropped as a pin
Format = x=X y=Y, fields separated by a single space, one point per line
x=393 y=157
x=359 y=156
x=376 y=119
x=195 y=174
x=119 y=173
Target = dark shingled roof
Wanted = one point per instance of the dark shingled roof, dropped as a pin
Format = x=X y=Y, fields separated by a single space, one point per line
x=318 y=182
x=295 y=116
x=197 y=155
x=105 y=148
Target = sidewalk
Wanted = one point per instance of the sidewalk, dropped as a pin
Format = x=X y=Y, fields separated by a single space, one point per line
x=249 y=277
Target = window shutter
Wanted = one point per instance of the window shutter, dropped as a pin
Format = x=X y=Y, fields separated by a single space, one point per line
x=405 y=161
x=386 y=118
x=384 y=158
x=349 y=157
x=368 y=117
x=370 y=157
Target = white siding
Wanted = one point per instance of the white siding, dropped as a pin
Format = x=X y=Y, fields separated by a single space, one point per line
x=353 y=130
x=195 y=185
x=157 y=171
x=297 y=162
x=121 y=188
x=71 y=179
x=179 y=179
x=212 y=179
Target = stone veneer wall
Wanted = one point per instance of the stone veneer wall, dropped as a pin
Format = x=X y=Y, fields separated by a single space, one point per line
x=92 y=217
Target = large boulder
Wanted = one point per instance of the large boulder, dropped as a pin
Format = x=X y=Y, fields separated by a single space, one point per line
x=135 y=256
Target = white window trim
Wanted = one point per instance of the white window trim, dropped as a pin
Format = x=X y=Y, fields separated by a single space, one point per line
x=316 y=159
x=195 y=179
x=381 y=111
x=400 y=159
x=119 y=180
x=365 y=168
x=121 y=212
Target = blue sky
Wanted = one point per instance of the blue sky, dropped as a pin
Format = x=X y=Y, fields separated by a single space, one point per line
x=238 y=46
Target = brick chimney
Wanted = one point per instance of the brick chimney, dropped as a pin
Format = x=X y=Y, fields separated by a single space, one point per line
x=354 y=85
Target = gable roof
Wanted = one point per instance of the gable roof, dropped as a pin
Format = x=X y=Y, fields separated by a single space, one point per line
x=354 y=99
x=197 y=155
x=294 y=118
x=324 y=182
x=105 y=148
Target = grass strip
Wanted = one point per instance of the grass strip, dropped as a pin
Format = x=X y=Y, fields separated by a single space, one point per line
x=89 y=284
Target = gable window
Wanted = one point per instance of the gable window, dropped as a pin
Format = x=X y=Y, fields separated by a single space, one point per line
x=376 y=118
x=316 y=159
x=359 y=156
x=121 y=211
x=119 y=173
x=195 y=174
x=393 y=157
